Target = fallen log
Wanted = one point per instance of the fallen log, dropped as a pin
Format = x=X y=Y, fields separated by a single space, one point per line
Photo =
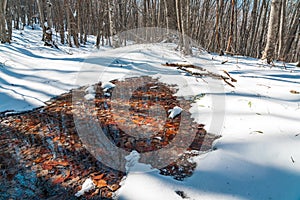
x=185 y=67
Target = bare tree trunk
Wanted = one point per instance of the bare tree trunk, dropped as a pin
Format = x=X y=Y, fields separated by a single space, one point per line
x=243 y=29
x=61 y=24
x=48 y=32
x=41 y=15
x=3 y=31
x=262 y=28
x=178 y=15
x=111 y=23
x=272 y=32
x=9 y=23
x=255 y=52
x=282 y=29
x=49 y=14
x=217 y=27
x=79 y=21
x=229 y=43
x=166 y=15
x=185 y=27
x=293 y=30
x=68 y=23
x=252 y=27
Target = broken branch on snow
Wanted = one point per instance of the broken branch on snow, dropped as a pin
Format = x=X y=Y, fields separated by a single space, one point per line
x=185 y=67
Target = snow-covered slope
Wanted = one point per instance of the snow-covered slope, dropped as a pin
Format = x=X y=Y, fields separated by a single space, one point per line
x=31 y=73
x=258 y=155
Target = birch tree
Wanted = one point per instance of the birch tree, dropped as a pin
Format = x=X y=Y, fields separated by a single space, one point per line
x=269 y=51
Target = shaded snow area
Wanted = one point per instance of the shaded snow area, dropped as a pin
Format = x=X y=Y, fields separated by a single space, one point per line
x=258 y=155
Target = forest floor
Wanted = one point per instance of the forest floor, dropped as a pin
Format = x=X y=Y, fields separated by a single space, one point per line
x=232 y=141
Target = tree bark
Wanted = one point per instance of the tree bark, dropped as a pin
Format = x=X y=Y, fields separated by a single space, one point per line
x=49 y=14
x=262 y=29
x=272 y=32
x=293 y=30
x=68 y=23
x=185 y=25
x=3 y=32
x=111 y=23
x=217 y=26
x=41 y=16
x=252 y=27
x=48 y=32
x=229 y=43
x=178 y=15
x=282 y=29
x=166 y=15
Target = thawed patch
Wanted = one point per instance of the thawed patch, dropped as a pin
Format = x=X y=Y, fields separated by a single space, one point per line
x=45 y=141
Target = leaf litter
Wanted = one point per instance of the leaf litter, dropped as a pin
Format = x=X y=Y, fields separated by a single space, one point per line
x=43 y=157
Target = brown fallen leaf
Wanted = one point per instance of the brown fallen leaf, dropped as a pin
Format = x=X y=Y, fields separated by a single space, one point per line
x=294 y=92
x=96 y=192
x=39 y=160
x=45 y=166
x=58 y=180
x=98 y=177
x=113 y=187
x=107 y=194
x=101 y=183
x=55 y=163
x=56 y=138
x=170 y=132
x=67 y=174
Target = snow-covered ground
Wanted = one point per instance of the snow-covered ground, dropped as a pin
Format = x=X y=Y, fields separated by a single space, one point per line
x=258 y=155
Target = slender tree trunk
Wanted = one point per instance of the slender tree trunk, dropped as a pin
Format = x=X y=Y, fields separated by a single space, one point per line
x=41 y=17
x=269 y=51
x=3 y=32
x=252 y=27
x=49 y=14
x=262 y=29
x=9 y=23
x=48 y=32
x=68 y=23
x=185 y=25
x=229 y=43
x=256 y=38
x=282 y=29
x=79 y=20
x=243 y=29
x=177 y=4
x=166 y=15
x=111 y=23
x=61 y=25
x=217 y=27
x=293 y=30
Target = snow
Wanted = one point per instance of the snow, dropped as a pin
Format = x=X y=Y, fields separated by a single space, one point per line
x=31 y=73
x=86 y=186
x=90 y=90
x=91 y=93
x=107 y=86
x=133 y=165
x=257 y=156
x=174 y=112
x=89 y=97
